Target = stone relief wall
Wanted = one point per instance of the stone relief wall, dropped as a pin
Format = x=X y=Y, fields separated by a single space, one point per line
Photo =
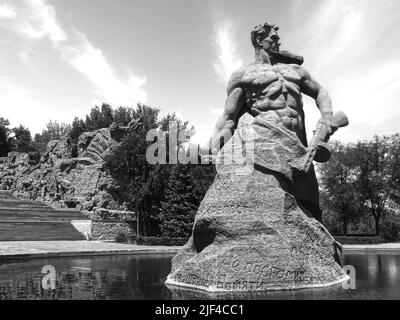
x=63 y=181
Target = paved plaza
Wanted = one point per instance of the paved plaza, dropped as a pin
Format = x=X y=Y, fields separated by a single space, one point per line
x=38 y=249
x=30 y=249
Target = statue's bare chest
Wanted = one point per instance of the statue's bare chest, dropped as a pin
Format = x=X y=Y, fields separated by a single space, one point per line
x=264 y=75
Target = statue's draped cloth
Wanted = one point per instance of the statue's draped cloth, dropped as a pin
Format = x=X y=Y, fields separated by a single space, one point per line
x=263 y=143
x=275 y=147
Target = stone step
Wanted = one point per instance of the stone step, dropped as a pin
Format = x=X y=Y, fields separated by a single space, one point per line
x=39 y=215
x=24 y=207
x=18 y=208
x=41 y=212
x=13 y=202
x=6 y=195
x=24 y=220
x=11 y=217
x=38 y=231
x=6 y=209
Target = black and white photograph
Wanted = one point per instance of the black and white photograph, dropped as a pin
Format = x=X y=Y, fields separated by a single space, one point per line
x=213 y=151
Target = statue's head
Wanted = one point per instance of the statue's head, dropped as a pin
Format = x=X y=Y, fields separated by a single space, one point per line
x=265 y=37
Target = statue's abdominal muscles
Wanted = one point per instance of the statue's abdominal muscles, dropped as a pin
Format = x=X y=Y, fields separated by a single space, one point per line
x=274 y=92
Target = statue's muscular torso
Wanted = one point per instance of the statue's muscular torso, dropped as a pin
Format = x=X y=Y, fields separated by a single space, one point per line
x=273 y=91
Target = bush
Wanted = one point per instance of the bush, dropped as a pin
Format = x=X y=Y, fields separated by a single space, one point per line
x=390 y=231
x=360 y=239
x=121 y=238
x=34 y=157
x=161 y=241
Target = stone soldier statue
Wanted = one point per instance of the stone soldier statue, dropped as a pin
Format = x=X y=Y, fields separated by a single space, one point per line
x=270 y=89
x=262 y=230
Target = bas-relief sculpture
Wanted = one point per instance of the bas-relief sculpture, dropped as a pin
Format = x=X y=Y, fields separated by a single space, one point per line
x=262 y=230
x=62 y=180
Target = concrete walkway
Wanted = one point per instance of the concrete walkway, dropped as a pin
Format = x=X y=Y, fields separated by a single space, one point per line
x=45 y=249
x=372 y=247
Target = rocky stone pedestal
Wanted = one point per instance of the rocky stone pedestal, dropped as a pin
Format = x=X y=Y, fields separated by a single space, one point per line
x=251 y=233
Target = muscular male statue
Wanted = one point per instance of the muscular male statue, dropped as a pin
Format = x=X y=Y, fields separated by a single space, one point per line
x=271 y=88
x=259 y=229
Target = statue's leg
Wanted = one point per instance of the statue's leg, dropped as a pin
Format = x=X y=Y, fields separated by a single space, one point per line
x=307 y=193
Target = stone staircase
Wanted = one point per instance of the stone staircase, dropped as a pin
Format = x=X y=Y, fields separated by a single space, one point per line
x=23 y=220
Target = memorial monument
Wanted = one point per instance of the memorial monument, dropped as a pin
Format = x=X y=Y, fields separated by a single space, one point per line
x=60 y=179
x=259 y=225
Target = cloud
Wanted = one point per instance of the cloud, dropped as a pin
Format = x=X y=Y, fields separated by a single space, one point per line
x=37 y=20
x=216 y=111
x=7 y=11
x=20 y=107
x=93 y=63
x=371 y=100
x=205 y=130
x=352 y=47
x=203 y=133
x=41 y=21
x=295 y=6
x=33 y=19
x=226 y=49
x=329 y=32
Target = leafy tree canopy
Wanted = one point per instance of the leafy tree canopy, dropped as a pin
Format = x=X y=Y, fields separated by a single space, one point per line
x=5 y=137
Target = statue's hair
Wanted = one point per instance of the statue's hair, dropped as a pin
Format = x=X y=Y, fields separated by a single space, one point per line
x=262 y=30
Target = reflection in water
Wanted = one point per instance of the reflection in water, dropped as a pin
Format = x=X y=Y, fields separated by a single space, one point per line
x=392 y=269
x=142 y=277
x=110 y=277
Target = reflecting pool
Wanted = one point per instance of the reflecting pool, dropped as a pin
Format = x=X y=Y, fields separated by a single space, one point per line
x=142 y=277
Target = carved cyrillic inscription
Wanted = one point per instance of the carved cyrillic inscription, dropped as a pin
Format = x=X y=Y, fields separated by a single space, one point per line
x=254 y=276
x=193 y=279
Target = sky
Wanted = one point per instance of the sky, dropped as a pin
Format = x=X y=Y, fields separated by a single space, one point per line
x=58 y=58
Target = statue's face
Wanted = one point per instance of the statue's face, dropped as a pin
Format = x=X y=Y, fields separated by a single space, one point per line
x=271 y=42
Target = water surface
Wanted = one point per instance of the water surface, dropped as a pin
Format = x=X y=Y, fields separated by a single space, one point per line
x=142 y=277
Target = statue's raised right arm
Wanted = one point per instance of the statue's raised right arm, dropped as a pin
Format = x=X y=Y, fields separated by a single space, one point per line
x=228 y=121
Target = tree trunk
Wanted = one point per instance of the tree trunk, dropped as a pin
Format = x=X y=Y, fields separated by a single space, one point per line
x=137 y=224
x=377 y=231
x=345 y=227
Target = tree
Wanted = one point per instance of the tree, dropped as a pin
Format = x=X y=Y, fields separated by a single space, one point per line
x=338 y=177
x=139 y=182
x=185 y=190
x=5 y=138
x=123 y=115
x=393 y=160
x=144 y=186
x=375 y=180
x=179 y=208
x=77 y=128
x=107 y=115
x=54 y=131
x=366 y=174
x=99 y=118
x=23 y=139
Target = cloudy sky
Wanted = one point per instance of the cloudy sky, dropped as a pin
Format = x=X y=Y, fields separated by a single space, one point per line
x=60 y=58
